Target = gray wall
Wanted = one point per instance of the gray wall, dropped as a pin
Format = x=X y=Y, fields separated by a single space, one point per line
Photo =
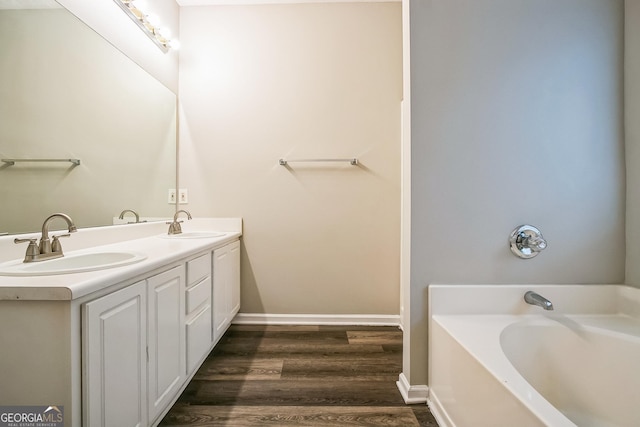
x=516 y=111
x=632 y=137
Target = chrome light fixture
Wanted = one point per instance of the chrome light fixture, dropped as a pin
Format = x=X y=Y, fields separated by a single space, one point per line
x=148 y=25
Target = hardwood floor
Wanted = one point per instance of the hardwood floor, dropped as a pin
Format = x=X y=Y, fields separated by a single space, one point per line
x=300 y=376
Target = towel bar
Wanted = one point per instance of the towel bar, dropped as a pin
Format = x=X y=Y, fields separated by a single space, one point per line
x=13 y=161
x=283 y=162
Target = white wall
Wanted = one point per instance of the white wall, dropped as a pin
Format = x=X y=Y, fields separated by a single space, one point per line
x=110 y=21
x=516 y=118
x=258 y=83
x=632 y=137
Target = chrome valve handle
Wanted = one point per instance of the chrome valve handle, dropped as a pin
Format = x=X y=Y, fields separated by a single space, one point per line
x=526 y=241
x=535 y=243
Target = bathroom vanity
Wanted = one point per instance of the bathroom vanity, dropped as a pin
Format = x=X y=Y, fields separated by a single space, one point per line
x=117 y=346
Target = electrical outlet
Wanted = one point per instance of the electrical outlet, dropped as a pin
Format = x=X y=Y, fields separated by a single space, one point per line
x=171 y=198
x=183 y=196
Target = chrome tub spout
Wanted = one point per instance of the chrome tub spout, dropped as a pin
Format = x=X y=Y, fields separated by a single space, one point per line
x=534 y=298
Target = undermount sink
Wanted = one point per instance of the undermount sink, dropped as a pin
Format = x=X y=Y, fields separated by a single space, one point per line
x=194 y=235
x=68 y=264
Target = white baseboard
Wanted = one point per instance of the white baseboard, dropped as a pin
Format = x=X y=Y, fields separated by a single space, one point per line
x=438 y=411
x=412 y=393
x=317 y=319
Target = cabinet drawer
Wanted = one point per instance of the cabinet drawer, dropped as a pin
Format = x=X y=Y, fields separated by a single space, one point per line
x=198 y=338
x=198 y=269
x=198 y=294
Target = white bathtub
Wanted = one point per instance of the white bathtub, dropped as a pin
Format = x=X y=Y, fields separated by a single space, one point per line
x=496 y=361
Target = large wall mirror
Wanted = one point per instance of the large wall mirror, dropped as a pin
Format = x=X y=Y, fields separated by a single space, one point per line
x=67 y=93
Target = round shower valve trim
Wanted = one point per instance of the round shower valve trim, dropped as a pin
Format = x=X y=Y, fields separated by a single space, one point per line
x=526 y=241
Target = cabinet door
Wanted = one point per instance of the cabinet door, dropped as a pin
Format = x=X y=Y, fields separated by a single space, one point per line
x=234 y=279
x=226 y=287
x=166 y=368
x=115 y=359
x=198 y=338
x=221 y=265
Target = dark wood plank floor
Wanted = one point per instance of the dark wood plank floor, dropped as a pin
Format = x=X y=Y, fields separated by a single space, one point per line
x=300 y=376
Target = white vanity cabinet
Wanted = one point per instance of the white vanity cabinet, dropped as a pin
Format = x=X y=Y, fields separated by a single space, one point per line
x=226 y=287
x=141 y=344
x=117 y=346
x=134 y=348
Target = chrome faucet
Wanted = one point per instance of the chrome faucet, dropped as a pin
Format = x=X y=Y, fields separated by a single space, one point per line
x=534 y=298
x=133 y=212
x=47 y=249
x=175 y=227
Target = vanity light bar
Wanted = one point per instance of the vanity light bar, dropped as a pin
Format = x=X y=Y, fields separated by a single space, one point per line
x=142 y=19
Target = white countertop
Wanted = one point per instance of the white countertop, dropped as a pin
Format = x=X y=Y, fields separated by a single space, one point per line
x=146 y=238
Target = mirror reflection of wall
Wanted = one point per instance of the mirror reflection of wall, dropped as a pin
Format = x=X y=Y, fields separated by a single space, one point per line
x=65 y=92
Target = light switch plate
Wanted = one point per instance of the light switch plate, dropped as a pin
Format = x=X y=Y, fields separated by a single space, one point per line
x=183 y=196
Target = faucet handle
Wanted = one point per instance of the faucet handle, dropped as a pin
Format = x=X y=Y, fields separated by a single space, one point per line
x=33 y=240
x=32 y=249
x=55 y=244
